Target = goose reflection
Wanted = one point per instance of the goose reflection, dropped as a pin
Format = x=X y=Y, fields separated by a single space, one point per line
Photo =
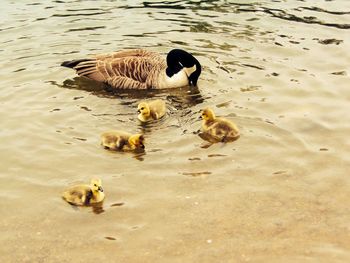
x=179 y=98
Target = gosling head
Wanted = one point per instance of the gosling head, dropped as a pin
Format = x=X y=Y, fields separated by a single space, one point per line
x=96 y=185
x=143 y=110
x=208 y=114
x=137 y=141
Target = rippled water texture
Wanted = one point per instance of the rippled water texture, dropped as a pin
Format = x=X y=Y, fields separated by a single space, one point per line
x=279 y=69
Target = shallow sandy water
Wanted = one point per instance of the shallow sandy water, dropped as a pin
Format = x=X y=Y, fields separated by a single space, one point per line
x=280 y=193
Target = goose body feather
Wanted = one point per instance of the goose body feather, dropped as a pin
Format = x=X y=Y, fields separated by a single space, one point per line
x=139 y=69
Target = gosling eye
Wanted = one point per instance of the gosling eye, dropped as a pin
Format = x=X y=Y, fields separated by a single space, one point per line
x=142 y=108
x=95 y=185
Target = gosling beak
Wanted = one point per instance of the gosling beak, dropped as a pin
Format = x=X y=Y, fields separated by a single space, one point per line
x=100 y=188
x=200 y=117
x=138 y=111
x=142 y=146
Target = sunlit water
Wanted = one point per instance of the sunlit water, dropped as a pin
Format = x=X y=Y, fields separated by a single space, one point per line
x=279 y=69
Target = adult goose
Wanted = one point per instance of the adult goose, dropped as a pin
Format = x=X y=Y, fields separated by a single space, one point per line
x=140 y=69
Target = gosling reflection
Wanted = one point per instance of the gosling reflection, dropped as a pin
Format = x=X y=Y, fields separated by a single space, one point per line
x=97 y=208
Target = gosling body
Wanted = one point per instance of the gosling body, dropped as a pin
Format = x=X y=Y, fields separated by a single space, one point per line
x=151 y=110
x=218 y=129
x=122 y=141
x=85 y=194
x=140 y=69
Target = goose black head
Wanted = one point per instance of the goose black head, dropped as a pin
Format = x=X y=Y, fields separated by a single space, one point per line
x=178 y=59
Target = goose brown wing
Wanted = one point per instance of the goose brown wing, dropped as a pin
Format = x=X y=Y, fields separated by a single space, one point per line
x=135 y=72
x=128 y=53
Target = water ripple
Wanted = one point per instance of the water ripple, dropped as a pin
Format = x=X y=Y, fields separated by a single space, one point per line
x=318 y=9
x=85 y=28
x=282 y=14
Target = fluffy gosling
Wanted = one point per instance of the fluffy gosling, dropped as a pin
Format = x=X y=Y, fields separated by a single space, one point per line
x=122 y=141
x=218 y=129
x=85 y=194
x=151 y=110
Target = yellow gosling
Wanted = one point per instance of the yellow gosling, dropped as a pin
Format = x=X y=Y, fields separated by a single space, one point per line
x=122 y=141
x=218 y=129
x=151 y=110
x=85 y=194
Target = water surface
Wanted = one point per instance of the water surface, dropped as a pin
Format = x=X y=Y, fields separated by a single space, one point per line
x=279 y=69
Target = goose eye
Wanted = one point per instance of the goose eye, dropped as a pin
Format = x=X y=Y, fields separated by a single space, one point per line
x=142 y=108
x=95 y=185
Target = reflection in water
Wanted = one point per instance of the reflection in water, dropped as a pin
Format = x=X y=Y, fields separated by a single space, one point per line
x=136 y=154
x=139 y=155
x=195 y=174
x=215 y=139
x=97 y=208
x=110 y=238
x=117 y=204
x=94 y=87
x=210 y=139
x=185 y=96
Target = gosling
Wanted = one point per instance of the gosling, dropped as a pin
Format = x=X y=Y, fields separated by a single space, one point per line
x=151 y=110
x=218 y=129
x=122 y=141
x=85 y=194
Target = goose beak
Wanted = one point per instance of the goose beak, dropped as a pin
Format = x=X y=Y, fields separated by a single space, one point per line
x=100 y=188
x=142 y=146
x=193 y=82
x=138 y=111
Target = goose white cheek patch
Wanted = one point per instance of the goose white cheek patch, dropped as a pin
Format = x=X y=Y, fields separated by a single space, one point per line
x=190 y=70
